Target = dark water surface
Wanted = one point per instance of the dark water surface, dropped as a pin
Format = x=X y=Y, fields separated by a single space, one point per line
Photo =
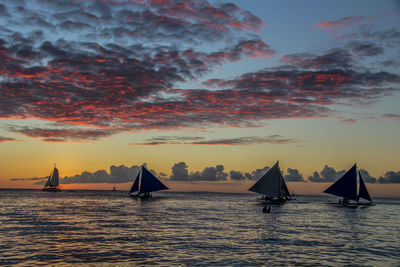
x=191 y=229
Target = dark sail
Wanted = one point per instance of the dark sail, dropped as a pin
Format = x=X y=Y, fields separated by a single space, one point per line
x=54 y=178
x=285 y=191
x=271 y=184
x=150 y=183
x=363 y=193
x=346 y=186
x=53 y=182
x=135 y=186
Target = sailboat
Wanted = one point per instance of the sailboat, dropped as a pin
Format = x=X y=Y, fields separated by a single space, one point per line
x=52 y=183
x=346 y=187
x=145 y=183
x=272 y=186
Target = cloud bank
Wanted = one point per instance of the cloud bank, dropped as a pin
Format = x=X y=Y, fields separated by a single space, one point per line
x=6 y=139
x=198 y=140
x=99 y=68
x=180 y=172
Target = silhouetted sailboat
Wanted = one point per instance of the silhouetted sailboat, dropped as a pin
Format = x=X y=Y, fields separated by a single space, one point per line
x=52 y=183
x=145 y=183
x=272 y=186
x=346 y=187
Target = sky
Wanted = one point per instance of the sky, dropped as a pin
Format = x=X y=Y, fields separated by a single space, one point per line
x=204 y=91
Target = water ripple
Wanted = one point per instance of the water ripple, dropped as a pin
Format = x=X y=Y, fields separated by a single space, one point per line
x=201 y=229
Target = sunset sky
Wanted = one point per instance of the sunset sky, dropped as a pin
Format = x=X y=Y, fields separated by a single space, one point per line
x=198 y=90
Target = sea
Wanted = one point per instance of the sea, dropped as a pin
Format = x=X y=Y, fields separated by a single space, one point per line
x=109 y=228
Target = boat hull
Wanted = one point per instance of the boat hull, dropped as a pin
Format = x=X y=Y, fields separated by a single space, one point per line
x=136 y=196
x=352 y=205
x=273 y=201
x=51 y=189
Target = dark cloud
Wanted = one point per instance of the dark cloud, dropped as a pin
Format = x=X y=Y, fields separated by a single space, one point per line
x=389 y=36
x=116 y=174
x=254 y=175
x=41 y=180
x=391 y=116
x=210 y=174
x=329 y=174
x=312 y=83
x=197 y=140
x=237 y=176
x=103 y=73
x=3 y=10
x=115 y=66
x=367 y=177
x=365 y=48
x=6 y=139
x=395 y=63
x=74 y=26
x=333 y=59
x=391 y=177
x=61 y=134
x=180 y=173
x=293 y=175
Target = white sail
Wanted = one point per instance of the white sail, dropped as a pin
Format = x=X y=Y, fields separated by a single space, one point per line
x=271 y=184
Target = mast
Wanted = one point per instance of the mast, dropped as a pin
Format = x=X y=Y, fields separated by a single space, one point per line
x=149 y=183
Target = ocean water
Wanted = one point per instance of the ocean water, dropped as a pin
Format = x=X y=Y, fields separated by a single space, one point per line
x=192 y=229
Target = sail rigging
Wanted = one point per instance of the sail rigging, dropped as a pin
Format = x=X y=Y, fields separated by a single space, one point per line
x=53 y=182
x=135 y=186
x=146 y=182
x=271 y=184
x=346 y=186
x=363 y=192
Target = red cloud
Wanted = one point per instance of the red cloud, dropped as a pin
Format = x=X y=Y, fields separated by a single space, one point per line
x=344 y=22
x=6 y=139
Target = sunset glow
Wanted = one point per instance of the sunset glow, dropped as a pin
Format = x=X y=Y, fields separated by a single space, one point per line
x=213 y=92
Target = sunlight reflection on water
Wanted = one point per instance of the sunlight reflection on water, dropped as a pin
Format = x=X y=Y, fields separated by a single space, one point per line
x=105 y=227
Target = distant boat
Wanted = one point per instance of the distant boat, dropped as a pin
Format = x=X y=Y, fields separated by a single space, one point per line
x=346 y=187
x=52 y=183
x=145 y=183
x=272 y=186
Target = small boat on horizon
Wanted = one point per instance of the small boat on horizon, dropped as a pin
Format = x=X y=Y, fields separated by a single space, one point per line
x=272 y=186
x=145 y=183
x=346 y=187
x=52 y=183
